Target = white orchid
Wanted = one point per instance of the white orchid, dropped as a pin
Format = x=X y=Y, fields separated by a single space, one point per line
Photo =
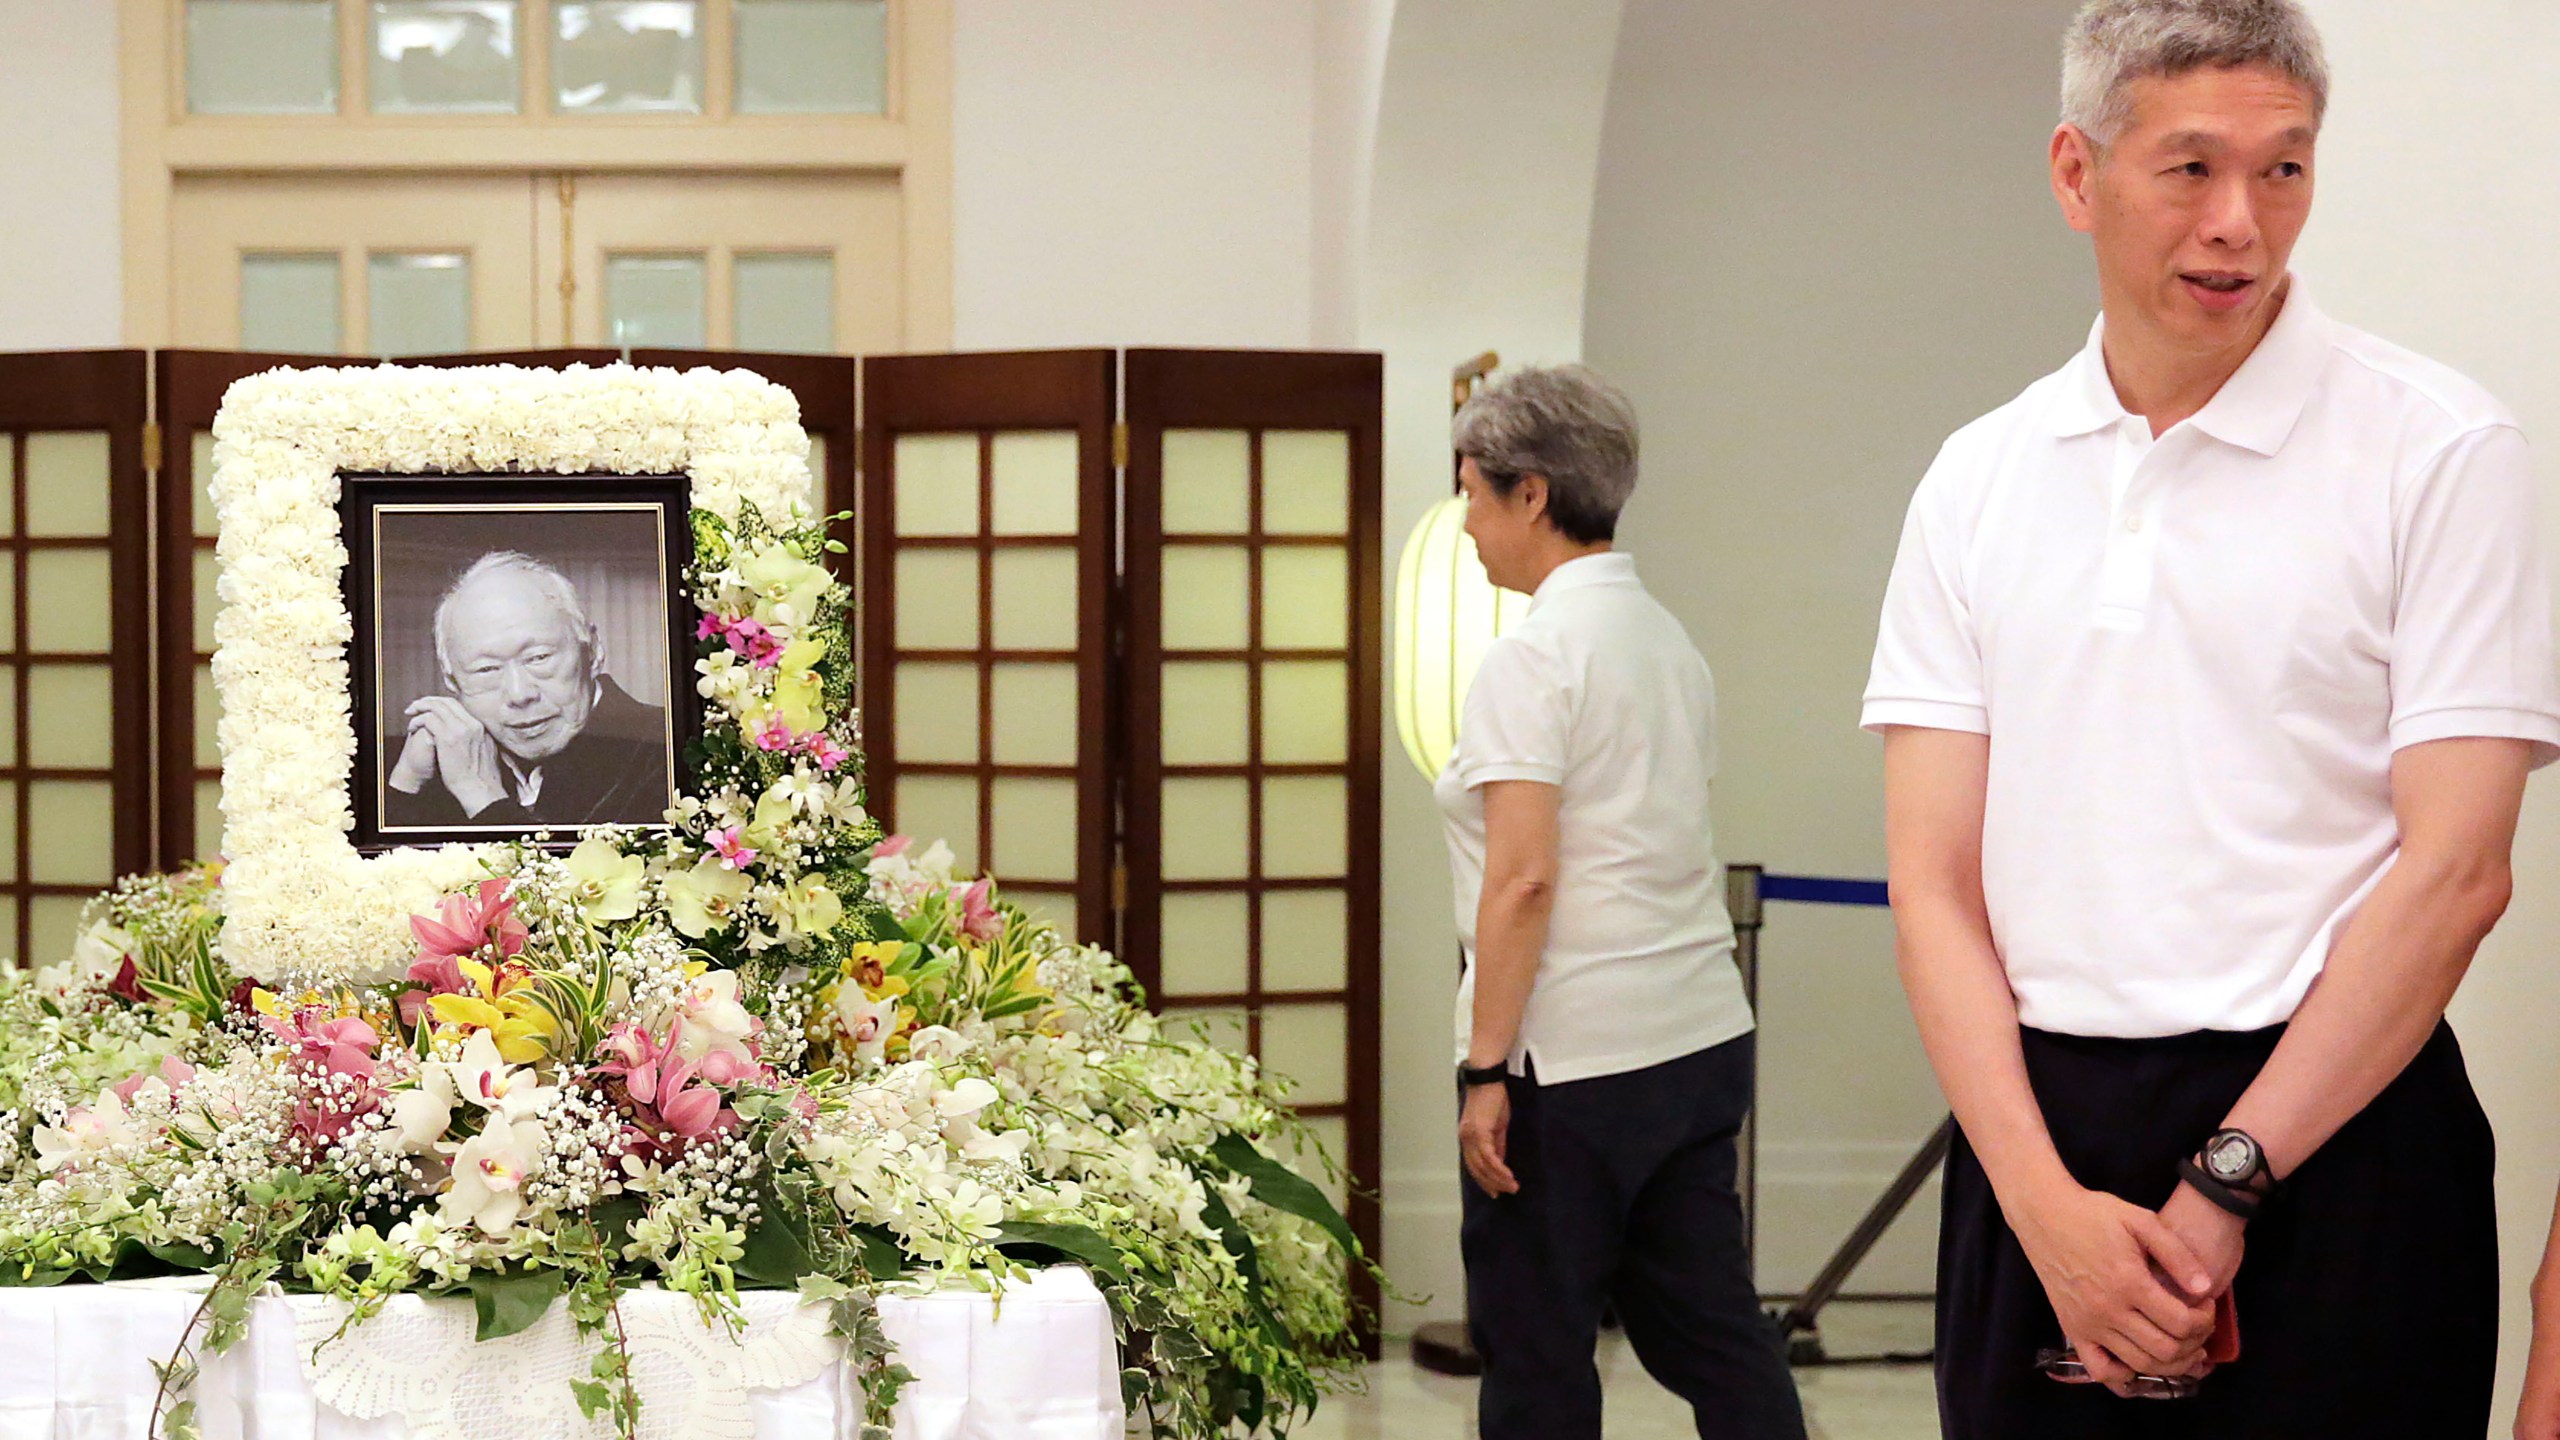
x=714 y=1020
x=484 y=1078
x=489 y=1173
x=101 y=1127
x=421 y=1115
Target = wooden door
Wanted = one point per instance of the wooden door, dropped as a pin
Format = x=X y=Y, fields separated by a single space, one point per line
x=808 y=264
x=382 y=265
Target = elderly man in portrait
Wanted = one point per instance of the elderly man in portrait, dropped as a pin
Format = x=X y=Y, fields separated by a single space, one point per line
x=2210 y=673
x=531 y=730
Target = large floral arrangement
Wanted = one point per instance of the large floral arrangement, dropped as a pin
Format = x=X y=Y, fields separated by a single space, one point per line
x=762 y=1047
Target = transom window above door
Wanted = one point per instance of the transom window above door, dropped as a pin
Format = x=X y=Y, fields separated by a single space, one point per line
x=713 y=59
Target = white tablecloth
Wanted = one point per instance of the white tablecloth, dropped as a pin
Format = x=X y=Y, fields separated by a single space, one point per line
x=75 y=1364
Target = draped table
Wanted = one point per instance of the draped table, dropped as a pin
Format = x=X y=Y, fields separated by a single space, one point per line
x=75 y=1364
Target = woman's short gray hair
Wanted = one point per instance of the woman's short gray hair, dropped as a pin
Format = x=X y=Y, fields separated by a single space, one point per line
x=1564 y=423
x=2116 y=42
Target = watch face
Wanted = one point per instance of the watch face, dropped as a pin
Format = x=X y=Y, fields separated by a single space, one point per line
x=2230 y=1158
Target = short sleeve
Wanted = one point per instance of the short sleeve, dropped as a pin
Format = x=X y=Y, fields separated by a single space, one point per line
x=1928 y=662
x=2471 y=640
x=1518 y=720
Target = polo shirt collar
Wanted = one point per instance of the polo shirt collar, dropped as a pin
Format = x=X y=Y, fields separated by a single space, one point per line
x=2255 y=409
x=1584 y=572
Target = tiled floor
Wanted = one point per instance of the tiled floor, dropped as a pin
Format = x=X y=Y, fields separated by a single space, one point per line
x=1843 y=1402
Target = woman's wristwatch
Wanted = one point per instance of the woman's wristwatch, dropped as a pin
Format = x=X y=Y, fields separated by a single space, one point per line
x=2231 y=1171
x=1471 y=1076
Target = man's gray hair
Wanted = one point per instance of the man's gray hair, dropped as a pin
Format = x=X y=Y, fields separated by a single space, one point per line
x=553 y=585
x=1564 y=423
x=2115 y=42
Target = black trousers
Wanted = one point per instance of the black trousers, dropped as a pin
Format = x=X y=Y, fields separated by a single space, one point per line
x=2367 y=1295
x=1627 y=1198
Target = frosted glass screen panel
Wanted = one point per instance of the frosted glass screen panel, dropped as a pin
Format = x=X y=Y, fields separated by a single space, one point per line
x=1035 y=828
x=72 y=825
x=1305 y=939
x=1205 y=709
x=937 y=599
x=1208 y=479
x=262 y=57
x=70 y=717
x=67 y=473
x=1035 y=599
x=1306 y=598
x=446 y=57
x=656 y=300
x=200 y=460
x=67 y=610
x=1204 y=829
x=1305 y=827
x=624 y=56
x=786 y=304
x=289 y=304
x=1033 y=477
x=1204 y=943
x=1305 y=1043
x=1207 y=591
x=938 y=714
x=418 y=304
x=208 y=720
x=1036 y=715
x=941 y=807
x=8 y=736
x=1306 y=482
x=813 y=57
x=208 y=819
x=937 y=481
x=1306 y=712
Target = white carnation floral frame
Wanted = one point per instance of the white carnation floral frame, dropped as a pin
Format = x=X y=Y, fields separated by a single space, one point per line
x=300 y=904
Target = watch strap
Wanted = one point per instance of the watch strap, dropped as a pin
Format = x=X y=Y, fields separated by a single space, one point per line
x=2242 y=1203
x=1474 y=1075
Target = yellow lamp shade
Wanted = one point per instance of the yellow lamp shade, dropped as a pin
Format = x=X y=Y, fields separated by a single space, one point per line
x=1447 y=612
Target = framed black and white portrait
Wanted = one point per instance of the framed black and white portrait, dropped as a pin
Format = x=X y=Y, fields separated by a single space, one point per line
x=520 y=661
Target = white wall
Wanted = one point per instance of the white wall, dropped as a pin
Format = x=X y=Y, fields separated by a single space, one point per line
x=1133 y=172
x=1488 y=137
x=61 y=281
x=1821 y=242
x=2439 y=195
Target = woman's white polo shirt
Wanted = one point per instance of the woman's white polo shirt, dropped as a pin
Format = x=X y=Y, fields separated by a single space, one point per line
x=1598 y=692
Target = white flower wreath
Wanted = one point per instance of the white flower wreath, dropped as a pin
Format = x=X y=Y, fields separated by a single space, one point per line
x=299 y=900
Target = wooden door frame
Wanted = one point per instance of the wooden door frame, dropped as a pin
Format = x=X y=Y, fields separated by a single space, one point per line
x=162 y=143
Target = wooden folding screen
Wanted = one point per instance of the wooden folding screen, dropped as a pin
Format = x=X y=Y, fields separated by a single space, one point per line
x=75 y=640
x=987 y=616
x=1250 y=802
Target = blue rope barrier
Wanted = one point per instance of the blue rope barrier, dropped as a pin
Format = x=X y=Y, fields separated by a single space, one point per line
x=1822 y=890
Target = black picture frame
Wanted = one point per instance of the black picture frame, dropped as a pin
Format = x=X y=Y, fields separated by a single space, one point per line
x=367 y=500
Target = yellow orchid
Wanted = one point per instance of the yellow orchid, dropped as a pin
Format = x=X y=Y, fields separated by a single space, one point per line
x=809 y=907
x=608 y=881
x=700 y=900
x=764 y=828
x=523 y=1028
x=787 y=588
x=799 y=698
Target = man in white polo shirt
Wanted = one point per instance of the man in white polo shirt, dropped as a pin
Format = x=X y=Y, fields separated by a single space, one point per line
x=2210 y=673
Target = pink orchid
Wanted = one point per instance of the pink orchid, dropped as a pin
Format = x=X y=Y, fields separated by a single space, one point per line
x=979 y=920
x=823 y=749
x=892 y=847
x=341 y=1045
x=775 y=734
x=439 y=975
x=761 y=646
x=173 y=1072
x=734 y=852
x=663 y=1087
x=709 y=626
x=468 y=923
